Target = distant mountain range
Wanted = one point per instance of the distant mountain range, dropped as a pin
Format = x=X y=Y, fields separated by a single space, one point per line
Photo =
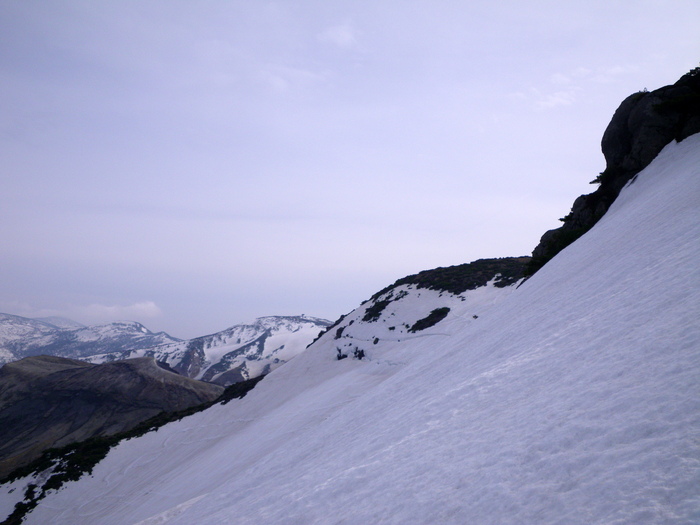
x=24 y=337
x=238 y=353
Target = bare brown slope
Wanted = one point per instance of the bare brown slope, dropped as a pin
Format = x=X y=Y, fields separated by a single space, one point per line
x=49 y=402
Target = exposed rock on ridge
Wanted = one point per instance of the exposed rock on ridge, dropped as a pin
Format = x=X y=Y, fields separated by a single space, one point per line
x=641 y=127
x=48 y=401
x=421 y=301
x=457 y=279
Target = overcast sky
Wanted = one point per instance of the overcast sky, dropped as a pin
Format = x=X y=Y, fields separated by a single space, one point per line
x=193 y=165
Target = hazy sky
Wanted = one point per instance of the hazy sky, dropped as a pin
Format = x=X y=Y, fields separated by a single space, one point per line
x=192 y=165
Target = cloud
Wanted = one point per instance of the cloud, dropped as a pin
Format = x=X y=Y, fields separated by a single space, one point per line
x=281 y=79
x=568 y=84
x=559 y=98
x=581 y=72
x=560 y=79
x=341 y=35
x=543 y=100
x=106 y=313
x=87 y=314
x=612 y=73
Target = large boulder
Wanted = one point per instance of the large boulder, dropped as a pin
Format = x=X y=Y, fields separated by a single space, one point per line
x=641 y=127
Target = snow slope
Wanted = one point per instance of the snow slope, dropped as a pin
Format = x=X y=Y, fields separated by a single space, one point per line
x=575 y=400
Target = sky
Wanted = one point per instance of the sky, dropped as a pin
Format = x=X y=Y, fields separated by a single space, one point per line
x=194 y=165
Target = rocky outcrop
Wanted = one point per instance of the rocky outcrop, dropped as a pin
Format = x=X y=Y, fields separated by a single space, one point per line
x=641 y=127
x=503 y=271
x=193 y=358
x=48 y=402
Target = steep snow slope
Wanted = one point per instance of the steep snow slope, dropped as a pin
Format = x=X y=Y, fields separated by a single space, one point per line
x=240 y=352
x=574 y=400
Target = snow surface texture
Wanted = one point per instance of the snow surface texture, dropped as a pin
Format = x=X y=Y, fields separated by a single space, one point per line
x=248 y=349
x=575 y=400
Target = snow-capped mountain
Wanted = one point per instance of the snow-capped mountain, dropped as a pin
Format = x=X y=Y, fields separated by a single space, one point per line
x=238 y=353
x=570 y=399
x=23 y=337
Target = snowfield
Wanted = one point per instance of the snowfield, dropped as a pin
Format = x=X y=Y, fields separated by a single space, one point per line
x=575 y=399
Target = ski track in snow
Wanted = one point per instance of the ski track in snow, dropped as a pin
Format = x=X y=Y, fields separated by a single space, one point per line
x=576 y=400
x=169 y=514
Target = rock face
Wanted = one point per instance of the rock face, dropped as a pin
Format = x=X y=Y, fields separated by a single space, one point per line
x=48 y=401
x=641 y=127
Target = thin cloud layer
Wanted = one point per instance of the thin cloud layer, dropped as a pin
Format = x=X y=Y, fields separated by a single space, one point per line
x=100 y=313
x=341 y=35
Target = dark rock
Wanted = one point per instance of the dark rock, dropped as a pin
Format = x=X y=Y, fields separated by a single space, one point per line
x=457 y=279
x=191 y=363
x=431 y=319
x=233 y=376
x=641 y=127
x=165 y=366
